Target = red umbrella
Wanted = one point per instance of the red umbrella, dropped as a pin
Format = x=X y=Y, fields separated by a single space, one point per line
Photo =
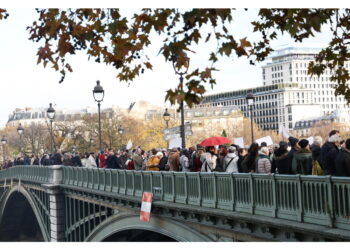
x=217 y=140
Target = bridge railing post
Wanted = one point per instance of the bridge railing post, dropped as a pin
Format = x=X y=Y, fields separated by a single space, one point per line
x=56 y=200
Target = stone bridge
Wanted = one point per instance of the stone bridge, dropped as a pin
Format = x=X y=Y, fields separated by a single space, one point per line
x=57 y=203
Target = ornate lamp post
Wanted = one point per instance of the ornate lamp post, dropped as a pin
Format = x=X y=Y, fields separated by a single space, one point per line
x=3 y=141
x=20 y=131
x=92 y=140
x=250 y=101
x=51 y=115
x=99 y=94
x=181 y=74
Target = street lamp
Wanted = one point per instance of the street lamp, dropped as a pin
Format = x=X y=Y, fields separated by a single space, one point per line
x=166 y=117
x=99 y=94
x=51 y=115
x=3 y=141
x=176 y=67
x=92 y=140
x=20 y=131
x=250 y=101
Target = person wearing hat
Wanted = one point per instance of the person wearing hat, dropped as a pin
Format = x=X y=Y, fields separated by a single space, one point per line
x=280 y=160
x=342 y=162
x=302 y=160
x=326 y=147
x=264 y=164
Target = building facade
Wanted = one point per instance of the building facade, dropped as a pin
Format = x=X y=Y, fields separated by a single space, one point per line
x=288 y=95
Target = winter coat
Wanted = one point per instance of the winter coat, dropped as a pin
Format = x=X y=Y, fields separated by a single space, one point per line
x=209 y=162
x=239 y=163
x=280 y=162
x=57 y=159
x=302 y=162
x=249 y=163
x=113 y=162
x=174 y=161
x=329 y=167
x=162 y=163
x=326 y=147
x=137 y=160
x=152 y=163
x=67 y=162
x=230 y=163
x=91 y=163
x=102 y=159
x=264 y=164
x=184 y=163
x=342 y=163
x=76 y=161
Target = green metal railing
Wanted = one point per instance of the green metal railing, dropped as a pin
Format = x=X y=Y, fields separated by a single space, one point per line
x=321 y=200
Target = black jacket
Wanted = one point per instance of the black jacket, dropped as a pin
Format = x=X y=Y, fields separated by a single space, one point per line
x=329 y=167
x=113 y=162
x=57 y=159
x=316 y=154
x=162 y=163
x=342 y=163
x=280 y=162
x=76 y=161
x=326 y=147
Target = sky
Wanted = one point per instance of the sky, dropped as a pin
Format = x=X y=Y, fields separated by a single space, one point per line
x=26 y=84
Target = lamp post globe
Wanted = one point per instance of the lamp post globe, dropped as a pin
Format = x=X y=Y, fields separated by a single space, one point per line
x=166 y=116
x=98 y=92
x=92 y=140
x=3 y=140
x=250 y=102
x=20 y=129
x=51 y=112
x=120 y=130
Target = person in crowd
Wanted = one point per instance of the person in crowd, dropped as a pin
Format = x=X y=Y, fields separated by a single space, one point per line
x=137 y=159
x=342 y=162
x=91 y=161
x=36 y=160
x=45 y=160
x=102 y=159
x=242 y=152
x=249 y=162
x=84 y=159
x=113 y=161
x=293 y=142
x=192 y=155
x=173 y=160
x=230 y=161
x=57 y=158
x=67 y=159
x=326 y=147
x=163 y=161
x=123 y=157
x=280 y=160
x=302 y=159
x=209 y=160
x=331 y=155
x=76 y=160
x=220 y=160
x=184 y=160
x=197 y=163
x=264 y=164
x=317 y=168
x=145 y=157
x=153 y=161
x=129 y=163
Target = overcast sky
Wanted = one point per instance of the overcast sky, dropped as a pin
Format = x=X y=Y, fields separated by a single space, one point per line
x=26 y=84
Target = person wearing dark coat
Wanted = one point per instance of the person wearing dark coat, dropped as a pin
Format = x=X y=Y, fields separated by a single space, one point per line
x=302 y=159
x=163 y=161
x=329 y=158
x=57 y=158
x=342 y=162
x=76 y=161
x=242 y=153
x=280 y=160
x=326 y=147
x=113 y=161
x=294 y=148
x=250 y=161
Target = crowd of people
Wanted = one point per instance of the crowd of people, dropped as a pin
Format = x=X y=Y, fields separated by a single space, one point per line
x=288 y=157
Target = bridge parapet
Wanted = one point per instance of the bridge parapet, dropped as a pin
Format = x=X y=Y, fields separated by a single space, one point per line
x=319 y=200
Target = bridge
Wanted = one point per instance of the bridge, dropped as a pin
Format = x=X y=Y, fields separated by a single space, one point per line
x=56 y=203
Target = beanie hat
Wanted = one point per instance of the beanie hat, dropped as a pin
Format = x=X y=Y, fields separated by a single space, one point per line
x=334 y=138
x=303 y=143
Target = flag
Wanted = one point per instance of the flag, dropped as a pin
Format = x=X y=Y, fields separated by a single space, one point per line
x=129 y=145
x=131 y=106
x=283 y=131
x=146 y=205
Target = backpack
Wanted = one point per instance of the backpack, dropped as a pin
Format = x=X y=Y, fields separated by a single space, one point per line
x=316 y=168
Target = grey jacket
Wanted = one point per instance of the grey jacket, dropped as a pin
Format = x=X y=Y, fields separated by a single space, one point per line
x=230 y=163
